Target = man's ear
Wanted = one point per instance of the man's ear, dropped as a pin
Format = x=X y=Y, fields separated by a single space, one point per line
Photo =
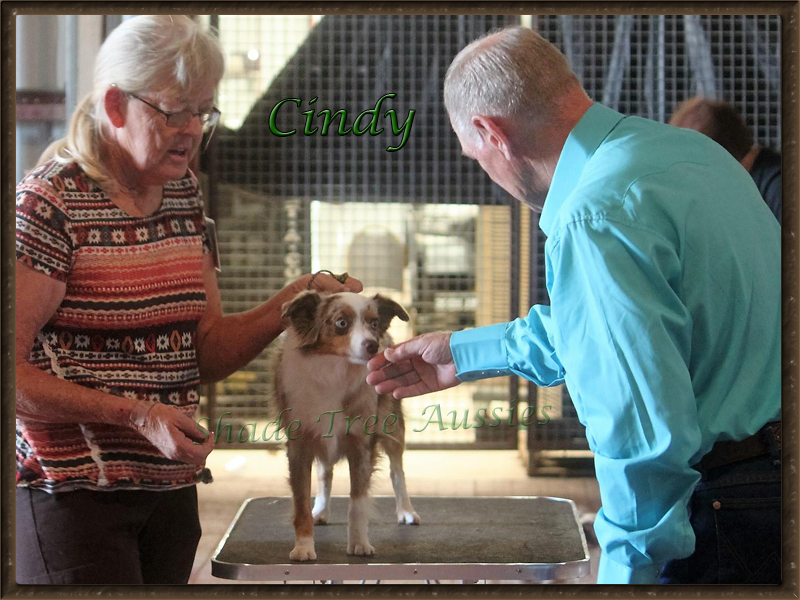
x=302 y=312
x=492 y=132
x=115 y=103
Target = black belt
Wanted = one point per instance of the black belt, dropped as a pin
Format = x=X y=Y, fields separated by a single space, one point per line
x=766 y=440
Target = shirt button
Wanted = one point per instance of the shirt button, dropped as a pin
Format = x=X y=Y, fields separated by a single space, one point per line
x=717 y=505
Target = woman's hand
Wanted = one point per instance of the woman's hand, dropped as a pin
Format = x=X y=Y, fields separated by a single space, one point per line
x=226 y=343
x=323 y=282
x=177 y=436
x=418 y=366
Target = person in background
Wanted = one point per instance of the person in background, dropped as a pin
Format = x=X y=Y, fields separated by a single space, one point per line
x=119 y=320
x=663 y=270
x=723 y=124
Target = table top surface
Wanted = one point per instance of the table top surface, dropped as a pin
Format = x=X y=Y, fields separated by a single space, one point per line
x=480 y=537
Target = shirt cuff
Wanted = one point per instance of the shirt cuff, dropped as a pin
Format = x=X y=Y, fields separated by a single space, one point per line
x=610 y=572
x=480 y=353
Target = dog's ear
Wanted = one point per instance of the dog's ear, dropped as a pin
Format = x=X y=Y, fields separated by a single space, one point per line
x=302 y=312
x=387 y=310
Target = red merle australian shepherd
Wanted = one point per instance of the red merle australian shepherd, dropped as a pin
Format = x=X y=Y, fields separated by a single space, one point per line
x=320 y=370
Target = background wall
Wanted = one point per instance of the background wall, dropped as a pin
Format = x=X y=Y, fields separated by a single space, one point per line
x=423 y=224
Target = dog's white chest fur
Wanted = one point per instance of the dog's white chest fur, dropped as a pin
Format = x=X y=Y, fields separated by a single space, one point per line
x=316 y=385
x=321 y=377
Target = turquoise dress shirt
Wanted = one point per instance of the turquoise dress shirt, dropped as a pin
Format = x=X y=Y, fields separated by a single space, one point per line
x=663 y=269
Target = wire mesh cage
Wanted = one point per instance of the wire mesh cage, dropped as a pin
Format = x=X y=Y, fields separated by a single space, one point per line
x=403 y=211
x=645 y=66
x=401 y=208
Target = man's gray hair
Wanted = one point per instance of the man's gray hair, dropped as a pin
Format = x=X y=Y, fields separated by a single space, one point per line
x=506 y=73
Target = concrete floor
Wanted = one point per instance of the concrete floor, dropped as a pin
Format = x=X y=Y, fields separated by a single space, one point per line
x=239 y=475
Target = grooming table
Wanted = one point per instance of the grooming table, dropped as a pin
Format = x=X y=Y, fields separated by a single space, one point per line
x=469 y=539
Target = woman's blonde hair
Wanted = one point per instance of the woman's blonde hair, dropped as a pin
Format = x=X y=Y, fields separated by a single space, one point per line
x=145 y=53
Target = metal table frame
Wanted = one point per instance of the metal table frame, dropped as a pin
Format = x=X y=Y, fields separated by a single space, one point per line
x=466 y=572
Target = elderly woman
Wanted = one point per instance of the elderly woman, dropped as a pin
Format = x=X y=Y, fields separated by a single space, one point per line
x=119 y=319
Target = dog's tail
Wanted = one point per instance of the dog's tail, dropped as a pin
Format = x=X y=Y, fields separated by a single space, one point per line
x=388 y=440
x=388 y=406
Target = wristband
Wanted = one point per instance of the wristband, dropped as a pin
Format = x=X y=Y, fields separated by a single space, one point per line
x=140 y=412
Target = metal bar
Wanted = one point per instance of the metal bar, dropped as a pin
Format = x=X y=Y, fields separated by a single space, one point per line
x=515 y=243
x=71 y=71
x=35 y=105
x=535 y=260
x=499 y=445
x=212 y=207
x=110 y=22
x=567 y=36
x=386 y=572
x=620 y=61
x=649 y=75
x=768 y=61
x=699 y=51
x=661 y=62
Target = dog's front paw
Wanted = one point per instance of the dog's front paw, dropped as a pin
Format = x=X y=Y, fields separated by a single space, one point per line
x=321 y=516
x=303 y=551
x=360 y=549
x=407 y=517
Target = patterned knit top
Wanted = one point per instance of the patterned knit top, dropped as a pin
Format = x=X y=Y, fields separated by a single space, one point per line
x=126 y=326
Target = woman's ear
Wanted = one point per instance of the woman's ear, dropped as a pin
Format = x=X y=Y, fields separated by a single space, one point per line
x=114 y=103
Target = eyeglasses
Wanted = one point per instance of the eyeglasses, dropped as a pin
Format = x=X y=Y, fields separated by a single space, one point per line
x=178 y=120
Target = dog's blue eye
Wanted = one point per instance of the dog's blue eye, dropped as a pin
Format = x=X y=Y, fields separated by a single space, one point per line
x=341 y=324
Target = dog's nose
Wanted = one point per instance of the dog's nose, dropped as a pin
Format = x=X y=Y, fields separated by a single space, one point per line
x=371 y=347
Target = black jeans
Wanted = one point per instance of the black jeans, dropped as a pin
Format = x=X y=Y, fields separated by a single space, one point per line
x=122 y=537
x=736 y=516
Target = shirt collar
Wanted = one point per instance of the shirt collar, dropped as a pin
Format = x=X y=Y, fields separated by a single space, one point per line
x=581 y=144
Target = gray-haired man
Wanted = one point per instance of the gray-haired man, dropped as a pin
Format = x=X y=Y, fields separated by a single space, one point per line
x=664 y=280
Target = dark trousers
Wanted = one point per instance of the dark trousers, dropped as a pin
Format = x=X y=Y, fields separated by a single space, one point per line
x=735 y=512
x=122 y=537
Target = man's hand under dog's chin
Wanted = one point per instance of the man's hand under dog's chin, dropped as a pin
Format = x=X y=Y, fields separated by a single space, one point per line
x=418 y=366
